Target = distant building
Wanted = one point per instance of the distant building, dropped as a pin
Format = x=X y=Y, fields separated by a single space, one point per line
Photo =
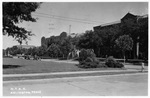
x=45 y=42
x=24 y=46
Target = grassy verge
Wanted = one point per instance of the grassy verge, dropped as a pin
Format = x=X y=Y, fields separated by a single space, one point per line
x=21 y=66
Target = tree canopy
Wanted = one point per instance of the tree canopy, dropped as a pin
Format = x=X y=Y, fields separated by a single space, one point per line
x=125 y=43
x=17 y=12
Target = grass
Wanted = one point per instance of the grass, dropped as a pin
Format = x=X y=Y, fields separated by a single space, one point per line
x=21 y=66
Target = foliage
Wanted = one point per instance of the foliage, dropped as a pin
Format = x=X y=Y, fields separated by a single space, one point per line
x=108 y=35
x=66 y=47
x=124 y=42
x=85 y=53
x=53 y=50
x=41 y=51
x=87 y=59
x=17 y=12
x=137 y=28
x=87 y=65
x=111 y=62
x=90 y=40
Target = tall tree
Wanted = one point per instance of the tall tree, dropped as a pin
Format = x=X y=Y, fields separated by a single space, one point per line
x=53 y=50
x=90 y=40
x=108 y=35
x=17 y=12
x=66 y=46
x=125 y=43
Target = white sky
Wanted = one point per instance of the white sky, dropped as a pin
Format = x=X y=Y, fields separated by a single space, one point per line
x=97 y=11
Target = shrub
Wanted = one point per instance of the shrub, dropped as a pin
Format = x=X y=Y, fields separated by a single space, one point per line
x=111 y=62
x=102 y=65
x=90 y=53
x=82 y=55
x=86 y=53
x=95 y=60
x=87 y=65
x=87 y=59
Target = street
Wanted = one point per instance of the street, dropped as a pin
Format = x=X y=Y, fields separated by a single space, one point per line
x=109 y=85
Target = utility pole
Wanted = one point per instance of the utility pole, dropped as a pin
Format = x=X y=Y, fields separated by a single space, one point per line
x=69 y=29
x=51 y=28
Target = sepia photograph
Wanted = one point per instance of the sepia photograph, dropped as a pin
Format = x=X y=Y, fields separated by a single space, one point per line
x=74 y=48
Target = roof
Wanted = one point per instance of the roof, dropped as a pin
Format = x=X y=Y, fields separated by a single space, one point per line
x=128 y=15
x=111 y=23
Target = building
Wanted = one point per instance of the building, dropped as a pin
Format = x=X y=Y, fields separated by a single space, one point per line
x=47 y=41
x=25 y=46
x=137 y=20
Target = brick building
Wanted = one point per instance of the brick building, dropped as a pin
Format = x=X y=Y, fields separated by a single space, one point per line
x=137 y=50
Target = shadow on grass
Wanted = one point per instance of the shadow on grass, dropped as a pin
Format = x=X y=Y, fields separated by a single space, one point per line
x=11 y=66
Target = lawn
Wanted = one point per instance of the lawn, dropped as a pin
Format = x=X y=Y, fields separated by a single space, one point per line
x=21 y=66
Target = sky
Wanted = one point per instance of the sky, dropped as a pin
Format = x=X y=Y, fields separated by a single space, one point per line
x=54 y=18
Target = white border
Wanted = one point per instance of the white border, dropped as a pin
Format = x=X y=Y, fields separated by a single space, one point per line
x=54 y=1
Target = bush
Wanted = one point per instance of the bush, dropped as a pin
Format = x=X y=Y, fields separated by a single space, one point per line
x=102 y=65
x=82 y=55
x=95 y=60
x=87 y=65
x=86 y=53
x=111 y=62
x=87 y=59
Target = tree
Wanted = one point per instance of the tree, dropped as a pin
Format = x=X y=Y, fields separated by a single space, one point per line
x=41 y=50
x=131 y=27
x=90 y=40
x=125 y=43
x=53 y=50
x=66 y=47
x=15 y=13
x=63 y=35
x=108 y=35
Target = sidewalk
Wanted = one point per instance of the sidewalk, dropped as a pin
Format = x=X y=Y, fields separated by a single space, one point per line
x=65 y=73
x=24 y=77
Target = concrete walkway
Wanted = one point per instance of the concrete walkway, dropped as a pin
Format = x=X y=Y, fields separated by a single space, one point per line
x=114 y=85
x=66 y=73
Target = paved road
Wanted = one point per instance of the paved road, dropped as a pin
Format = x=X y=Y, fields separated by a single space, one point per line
x=116 y=85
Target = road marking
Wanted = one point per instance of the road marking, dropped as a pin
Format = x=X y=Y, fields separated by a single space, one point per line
x=66 y=78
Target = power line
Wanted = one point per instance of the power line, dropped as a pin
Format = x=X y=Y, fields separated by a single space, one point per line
x=67 y=19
